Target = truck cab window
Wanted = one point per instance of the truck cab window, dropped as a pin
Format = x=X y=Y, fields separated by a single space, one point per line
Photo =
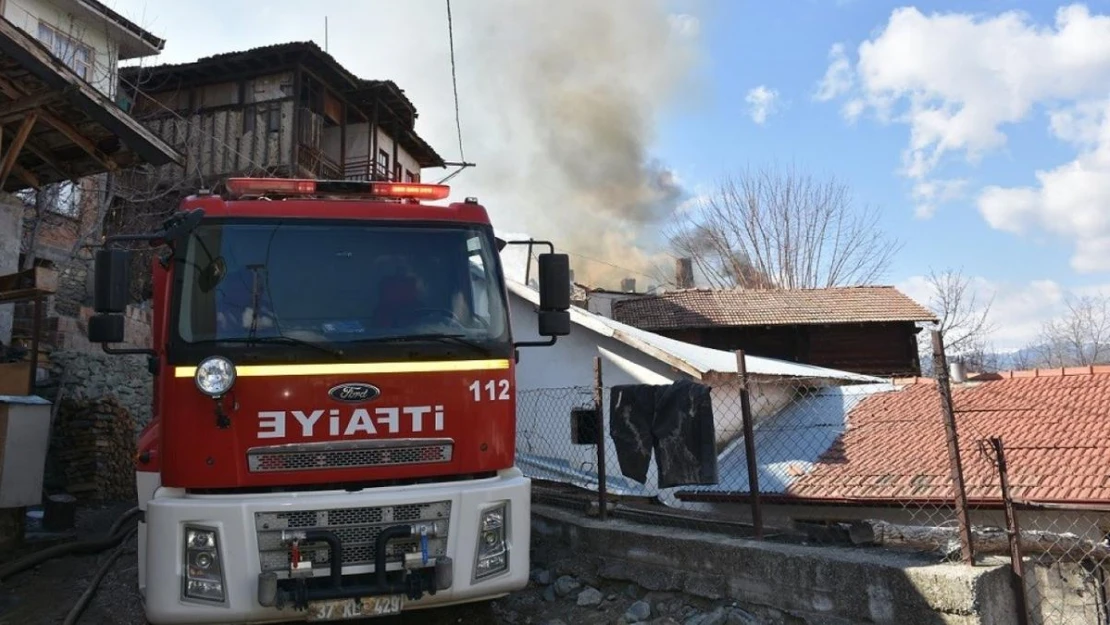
x=338 y=283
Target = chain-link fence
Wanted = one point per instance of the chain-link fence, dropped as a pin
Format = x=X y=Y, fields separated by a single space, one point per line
x=1064 y=564
x=993 y=472
x=683 y=444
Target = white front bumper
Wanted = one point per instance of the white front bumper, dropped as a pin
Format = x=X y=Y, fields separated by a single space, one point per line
x=233 y=516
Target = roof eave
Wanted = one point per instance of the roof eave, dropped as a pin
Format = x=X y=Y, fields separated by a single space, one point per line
x=710 y=326
x=145 y=39
x=581 y=318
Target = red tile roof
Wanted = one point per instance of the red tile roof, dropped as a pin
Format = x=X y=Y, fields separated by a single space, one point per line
x=702 y=308
x=1055 y=426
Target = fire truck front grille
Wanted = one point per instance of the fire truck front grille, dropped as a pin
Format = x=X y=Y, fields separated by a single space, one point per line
x=349 y=454
x=357 y=529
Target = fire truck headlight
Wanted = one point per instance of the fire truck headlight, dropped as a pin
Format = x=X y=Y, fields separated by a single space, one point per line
x=493 y=545
x=204 y=572
x=215 y=376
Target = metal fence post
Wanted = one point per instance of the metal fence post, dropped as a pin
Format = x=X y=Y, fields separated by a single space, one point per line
x=1017 y=580
x=599 y=408
x=749 y=444
x=940 y=367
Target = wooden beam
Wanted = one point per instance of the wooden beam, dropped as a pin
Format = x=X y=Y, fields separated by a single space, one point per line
x=15 y=92
x=20 y=105
x=80 y=140
x=27 y=177
x=42 y=279
x=47 y=157
x=16 y=147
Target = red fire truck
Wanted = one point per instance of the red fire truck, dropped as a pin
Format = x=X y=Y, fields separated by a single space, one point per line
x=334 y=405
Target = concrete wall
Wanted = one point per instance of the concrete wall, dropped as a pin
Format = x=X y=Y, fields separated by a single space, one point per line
x=11 y=228
x=1087 y=525
x=781 y=583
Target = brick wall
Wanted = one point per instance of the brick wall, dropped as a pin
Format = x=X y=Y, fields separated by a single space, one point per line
x=57 y=239
x=11 y=215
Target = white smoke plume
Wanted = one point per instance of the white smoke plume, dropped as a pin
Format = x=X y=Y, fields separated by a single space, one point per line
x=561 y=101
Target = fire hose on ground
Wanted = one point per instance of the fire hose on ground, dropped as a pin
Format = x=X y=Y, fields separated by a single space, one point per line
x=117 y=536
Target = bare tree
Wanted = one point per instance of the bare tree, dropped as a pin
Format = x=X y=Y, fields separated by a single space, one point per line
x=1022 y=359
x=965 y=320
x=771 y=228
x=1078 y=337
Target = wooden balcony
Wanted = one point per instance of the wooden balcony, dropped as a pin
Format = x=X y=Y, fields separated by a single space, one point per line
x=361 y=169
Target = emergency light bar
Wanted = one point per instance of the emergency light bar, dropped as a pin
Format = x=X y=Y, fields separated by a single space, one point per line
x=240 y=187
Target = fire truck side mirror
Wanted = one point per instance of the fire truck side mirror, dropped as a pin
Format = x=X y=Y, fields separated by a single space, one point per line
x=106 y=328
x=554 y=274
x=554 y=323
x=554 y=281
x=112 y=277
x=111 y=290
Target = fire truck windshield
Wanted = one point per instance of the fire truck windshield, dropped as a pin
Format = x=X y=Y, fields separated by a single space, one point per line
x=345 y=285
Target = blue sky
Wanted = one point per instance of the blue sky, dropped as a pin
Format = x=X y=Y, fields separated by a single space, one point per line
x=757 y=43
x=1027 y=259
x=992 y=97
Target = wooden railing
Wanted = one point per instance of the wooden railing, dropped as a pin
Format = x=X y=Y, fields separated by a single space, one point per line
x=362 y=169
x=319 y=164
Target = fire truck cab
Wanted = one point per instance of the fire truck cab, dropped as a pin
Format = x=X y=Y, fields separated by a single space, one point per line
x=334 y=402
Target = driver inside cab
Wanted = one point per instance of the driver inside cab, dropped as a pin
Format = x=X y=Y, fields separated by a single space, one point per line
x=420 y=296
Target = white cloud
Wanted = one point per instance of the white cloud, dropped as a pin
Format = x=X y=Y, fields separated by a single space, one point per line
x=959 y=80
x=929 y=193
x=762 y=103
x=1018 y=310
x=839 y=78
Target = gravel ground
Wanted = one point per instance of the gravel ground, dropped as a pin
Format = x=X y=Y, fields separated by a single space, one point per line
x=45 y=595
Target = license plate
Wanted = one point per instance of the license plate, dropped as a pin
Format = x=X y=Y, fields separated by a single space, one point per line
x=341 y=609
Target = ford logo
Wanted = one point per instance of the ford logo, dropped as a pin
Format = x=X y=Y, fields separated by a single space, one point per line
x=354 y=392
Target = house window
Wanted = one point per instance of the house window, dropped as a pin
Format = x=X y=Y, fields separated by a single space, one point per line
x=411 y=177
x=65 y=199
x=397 y=172
x=78 y=56
x=274 y=119
x=383 y=163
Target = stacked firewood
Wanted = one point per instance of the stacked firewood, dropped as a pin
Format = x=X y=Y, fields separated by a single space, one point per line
x=92 y=450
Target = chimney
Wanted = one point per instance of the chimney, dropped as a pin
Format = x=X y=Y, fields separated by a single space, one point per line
x=628 y=285
x=683 y=273
x=956 y=372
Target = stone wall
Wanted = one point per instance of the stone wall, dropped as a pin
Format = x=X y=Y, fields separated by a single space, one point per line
x=773 y=583
x=92 y=375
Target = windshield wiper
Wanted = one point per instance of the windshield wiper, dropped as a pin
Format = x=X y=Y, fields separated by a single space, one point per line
x=288 y=340
x=435 y=336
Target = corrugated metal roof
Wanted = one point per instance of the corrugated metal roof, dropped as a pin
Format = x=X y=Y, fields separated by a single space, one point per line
x=790 y=443
x=694 y=360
